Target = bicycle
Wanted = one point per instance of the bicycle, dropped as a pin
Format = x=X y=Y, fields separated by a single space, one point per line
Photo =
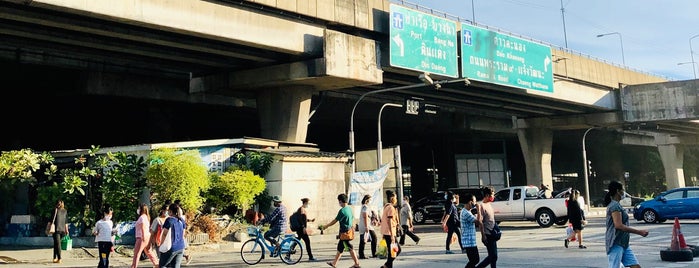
x=253 y=250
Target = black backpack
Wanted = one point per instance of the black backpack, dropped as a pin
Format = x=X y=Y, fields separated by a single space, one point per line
x=295 y=222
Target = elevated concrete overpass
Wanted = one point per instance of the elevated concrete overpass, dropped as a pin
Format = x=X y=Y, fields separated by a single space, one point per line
x=274 y=56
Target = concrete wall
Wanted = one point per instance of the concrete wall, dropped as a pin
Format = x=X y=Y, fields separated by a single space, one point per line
x=675 y=100
x=320 y=179
x=208 y=19
x=363 y=14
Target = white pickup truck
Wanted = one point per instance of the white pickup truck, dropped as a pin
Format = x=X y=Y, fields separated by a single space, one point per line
x=520 y=203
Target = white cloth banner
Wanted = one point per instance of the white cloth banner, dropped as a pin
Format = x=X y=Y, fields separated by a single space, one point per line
x=368 y=183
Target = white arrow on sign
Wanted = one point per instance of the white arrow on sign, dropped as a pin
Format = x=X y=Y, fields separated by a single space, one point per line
x=399 y=43
x=547 y=61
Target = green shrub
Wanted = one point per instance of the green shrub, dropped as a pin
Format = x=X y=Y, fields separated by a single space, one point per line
x=236 y=187
x=178 y=174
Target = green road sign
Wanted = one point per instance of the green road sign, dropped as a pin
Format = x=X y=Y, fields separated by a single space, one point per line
x=493 y=57
x=423 y=42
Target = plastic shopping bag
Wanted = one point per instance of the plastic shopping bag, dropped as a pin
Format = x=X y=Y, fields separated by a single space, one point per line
x=569 y=232
x=66 y=243
x=382 y=249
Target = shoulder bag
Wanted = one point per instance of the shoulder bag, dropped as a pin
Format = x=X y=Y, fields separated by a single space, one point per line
x=495 y=233
x=167 y=243
x=349 y=235
x=51 y=226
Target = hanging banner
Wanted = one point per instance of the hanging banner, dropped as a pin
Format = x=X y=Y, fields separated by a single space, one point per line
x=368 y=183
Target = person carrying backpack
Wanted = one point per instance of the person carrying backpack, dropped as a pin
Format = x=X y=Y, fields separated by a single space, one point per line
x=298 y=222
x=156 y=228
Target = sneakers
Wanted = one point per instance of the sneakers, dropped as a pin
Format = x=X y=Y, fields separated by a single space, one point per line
x=188 y=259
x=582 y=246
x=312 y=259
x=566 y=243
x=417 y=241
x=449 y=252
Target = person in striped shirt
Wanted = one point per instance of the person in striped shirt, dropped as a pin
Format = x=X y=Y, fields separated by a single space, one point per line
x=468 y=230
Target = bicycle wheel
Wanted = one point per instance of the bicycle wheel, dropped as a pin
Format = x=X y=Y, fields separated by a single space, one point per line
x=292 y=251
x=252 y=252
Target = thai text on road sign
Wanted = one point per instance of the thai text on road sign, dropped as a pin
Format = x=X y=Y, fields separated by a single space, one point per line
x=423 y=42
x=493 y=57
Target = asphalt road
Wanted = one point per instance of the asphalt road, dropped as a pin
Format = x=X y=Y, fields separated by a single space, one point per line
x=523 y=244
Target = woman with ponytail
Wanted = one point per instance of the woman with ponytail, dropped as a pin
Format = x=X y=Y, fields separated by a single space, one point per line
x=616 y=237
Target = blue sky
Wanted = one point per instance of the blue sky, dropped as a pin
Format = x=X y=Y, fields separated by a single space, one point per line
x=655 y=34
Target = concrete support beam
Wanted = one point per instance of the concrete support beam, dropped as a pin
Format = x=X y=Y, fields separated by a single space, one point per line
x=675 y=100
x=536 y=146
x=284 y=113
x=148 y=87
x=671 y=152
x=208 y=19
x=647 y=140
x=673 y=160
x=348 y=61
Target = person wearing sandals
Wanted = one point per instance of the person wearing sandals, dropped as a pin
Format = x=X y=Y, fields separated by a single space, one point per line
x=577 y=218
x=344 y=217
x=389 y=225
x=59 y=220
x=366 y=229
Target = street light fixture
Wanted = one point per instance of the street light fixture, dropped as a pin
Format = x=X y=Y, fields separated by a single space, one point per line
x=585 y=164
x=426 y=79
x=693 y=67
x=379 y=149
x=691 y=53
x=623 y=60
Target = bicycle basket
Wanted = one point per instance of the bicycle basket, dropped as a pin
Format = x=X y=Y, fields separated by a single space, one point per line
x=252 y=231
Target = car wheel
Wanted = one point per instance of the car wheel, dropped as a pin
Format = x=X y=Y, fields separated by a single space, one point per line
x=419 y=216
x=545 y=218
x=683 y=254
x=650 y=216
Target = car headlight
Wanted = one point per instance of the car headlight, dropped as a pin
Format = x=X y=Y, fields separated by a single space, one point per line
x=637 y=206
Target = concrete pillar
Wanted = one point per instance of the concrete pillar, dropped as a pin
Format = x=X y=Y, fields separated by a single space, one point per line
x=672 y=156
x=284 y=113
x=536 y=146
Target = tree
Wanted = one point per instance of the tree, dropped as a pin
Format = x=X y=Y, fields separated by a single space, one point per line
x=178 y=174
x=121 y=184
x=20 y=165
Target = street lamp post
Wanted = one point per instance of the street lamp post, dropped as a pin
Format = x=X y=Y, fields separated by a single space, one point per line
x=693 y=67
x=691 y=53
x=623 y=60
x=563 y=15
x=586 y=171
x=427 y=81
x=351 y=132
x=379 y=153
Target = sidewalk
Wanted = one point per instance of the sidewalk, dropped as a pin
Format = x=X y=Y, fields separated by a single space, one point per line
x=26 y=256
